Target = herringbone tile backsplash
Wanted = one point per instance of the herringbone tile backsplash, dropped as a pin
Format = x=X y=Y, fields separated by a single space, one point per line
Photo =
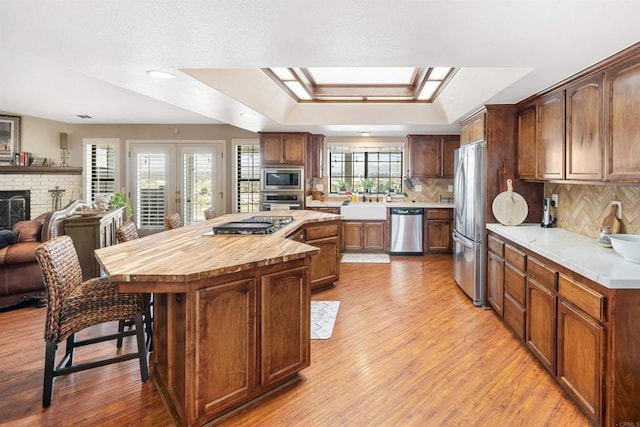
x=582 y=208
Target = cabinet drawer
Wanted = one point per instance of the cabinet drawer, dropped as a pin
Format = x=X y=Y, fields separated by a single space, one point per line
x=541 y=274
x=322 y=231
x=515 y=316
x=496 y=246
x=515 y=284
x=588 y=300
x=515 y=258
x=439 y=214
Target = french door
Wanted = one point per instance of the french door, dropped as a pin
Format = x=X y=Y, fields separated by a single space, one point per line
x=174 y=177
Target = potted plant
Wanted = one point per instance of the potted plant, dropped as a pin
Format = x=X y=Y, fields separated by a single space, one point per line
x=118 y=200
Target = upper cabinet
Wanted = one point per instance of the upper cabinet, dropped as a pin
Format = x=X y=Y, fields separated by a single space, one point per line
x=587 y=128
x=315 y=157
x=286 y=149
x=585 y=132
x=622 y=107
x=527 y=142
x=473 y=130
x=551 y=136
x=431 y=156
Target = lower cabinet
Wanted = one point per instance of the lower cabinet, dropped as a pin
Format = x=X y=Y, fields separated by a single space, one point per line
x=515 y=290
x=585 y=335
x=285 y=325
x=541 y=324
x=324 y=267
x=581 y=358
x=227 y=324
x=232 y=339
x=363 y=236
x=438 y=227
x=495 y=282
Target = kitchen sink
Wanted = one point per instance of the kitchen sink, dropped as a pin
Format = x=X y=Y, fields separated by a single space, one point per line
x=364 y=211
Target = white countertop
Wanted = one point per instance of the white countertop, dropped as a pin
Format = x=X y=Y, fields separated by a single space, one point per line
x=576 y=252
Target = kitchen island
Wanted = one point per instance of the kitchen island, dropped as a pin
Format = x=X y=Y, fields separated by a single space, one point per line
x=231 y=312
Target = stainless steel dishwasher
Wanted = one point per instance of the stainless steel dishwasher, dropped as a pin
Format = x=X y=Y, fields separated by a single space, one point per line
x=406 y=231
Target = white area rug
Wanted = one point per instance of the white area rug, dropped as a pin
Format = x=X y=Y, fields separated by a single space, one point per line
x=323 y=317
x=366 y=258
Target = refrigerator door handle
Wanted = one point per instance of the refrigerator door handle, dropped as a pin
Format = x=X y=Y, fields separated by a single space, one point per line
x=464 y=243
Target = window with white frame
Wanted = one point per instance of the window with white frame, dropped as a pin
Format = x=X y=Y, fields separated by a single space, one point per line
x=376 y=169
x=247 y=177
x=100 y=165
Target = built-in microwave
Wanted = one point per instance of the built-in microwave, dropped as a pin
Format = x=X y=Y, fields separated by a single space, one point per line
x=282 y=179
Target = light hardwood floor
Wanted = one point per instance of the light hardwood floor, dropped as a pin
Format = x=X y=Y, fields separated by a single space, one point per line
x=408 y=349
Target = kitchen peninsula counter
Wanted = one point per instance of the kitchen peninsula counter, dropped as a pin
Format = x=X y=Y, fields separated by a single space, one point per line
x=231 y=312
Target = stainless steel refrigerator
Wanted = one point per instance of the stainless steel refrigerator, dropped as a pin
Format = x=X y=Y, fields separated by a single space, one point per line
x=469 y=189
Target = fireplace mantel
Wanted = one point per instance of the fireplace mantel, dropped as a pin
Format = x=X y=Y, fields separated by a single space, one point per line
x=40 y=170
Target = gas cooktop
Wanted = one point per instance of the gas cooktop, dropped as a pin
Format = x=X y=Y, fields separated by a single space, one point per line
x=253 y=225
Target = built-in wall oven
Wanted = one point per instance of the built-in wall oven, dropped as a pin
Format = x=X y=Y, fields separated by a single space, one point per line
x=282 y=179
x=279 y=201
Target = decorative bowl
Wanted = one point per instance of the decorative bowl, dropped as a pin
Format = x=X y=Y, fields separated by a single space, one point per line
x=627 y=245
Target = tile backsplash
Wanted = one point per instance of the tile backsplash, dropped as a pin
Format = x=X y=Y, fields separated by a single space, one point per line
x=432 y=188
x=582 y=208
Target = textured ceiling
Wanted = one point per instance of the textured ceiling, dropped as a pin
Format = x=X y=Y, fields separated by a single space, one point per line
x=63 y=58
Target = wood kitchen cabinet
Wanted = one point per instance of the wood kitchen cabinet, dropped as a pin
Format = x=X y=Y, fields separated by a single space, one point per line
x=431 y=156
x=226 y=322
x=587 y=336
x=473 y=130
x=231 y=363
x=585 y=131
x=495 y=282
x=363 y=236
x=541 y=313
x=527 y=142
x=551 y=137
x=90 y=233
x=515 y=290
x=438 y=226
x=324 y=267
x=622 y=93
x=315 y=157
x=285 y=325
x=288 y=149
x=581 y=342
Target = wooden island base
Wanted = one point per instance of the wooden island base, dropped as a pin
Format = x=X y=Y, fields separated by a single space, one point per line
x=231 y=313
x=231 y=340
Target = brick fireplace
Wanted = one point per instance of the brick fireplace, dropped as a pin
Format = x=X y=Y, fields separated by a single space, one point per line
x=15 y=206
x=38 y=186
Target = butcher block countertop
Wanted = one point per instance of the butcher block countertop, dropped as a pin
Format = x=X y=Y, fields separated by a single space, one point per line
x=188 y=254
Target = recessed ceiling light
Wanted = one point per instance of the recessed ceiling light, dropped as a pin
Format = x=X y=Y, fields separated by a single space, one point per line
x=365 y=133
x=161 y=74
x=248 y=115
x=84 y=116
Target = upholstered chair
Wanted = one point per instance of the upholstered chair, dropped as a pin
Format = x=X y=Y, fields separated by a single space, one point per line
x=173 y=221
x=73 y=305
x=210 y=213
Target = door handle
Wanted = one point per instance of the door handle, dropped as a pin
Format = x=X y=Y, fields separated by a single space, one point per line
x=462 y=242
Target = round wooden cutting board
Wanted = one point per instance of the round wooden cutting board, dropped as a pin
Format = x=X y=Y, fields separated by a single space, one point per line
x=509 y=207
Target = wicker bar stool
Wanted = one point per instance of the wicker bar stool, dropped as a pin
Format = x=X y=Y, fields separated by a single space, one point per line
x=173 y=221
x=125 y=233
x=73 y=305
x=210 y=213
